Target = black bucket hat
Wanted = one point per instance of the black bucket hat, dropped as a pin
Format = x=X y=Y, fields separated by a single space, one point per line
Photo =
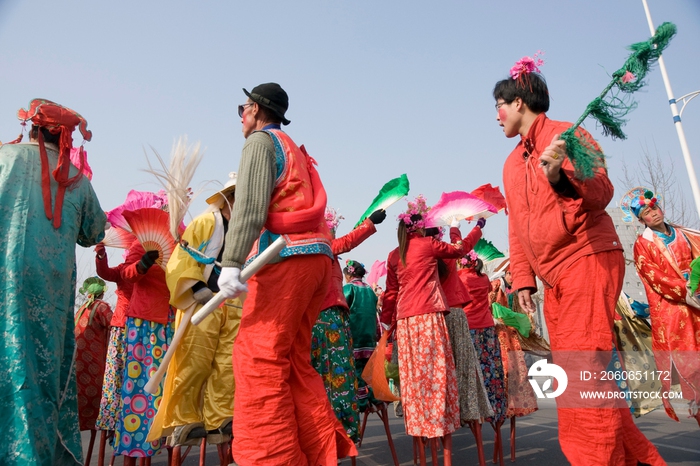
x=272 y=96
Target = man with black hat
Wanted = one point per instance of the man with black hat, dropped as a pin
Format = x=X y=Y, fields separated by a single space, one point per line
x=282 y=413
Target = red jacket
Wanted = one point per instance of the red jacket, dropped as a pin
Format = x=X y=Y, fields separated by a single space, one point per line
x=456 y=293
x=124 y=289
x=414 y=289
x=150 y=299
x=478 y=310
x=335 y=296
x=549 y=231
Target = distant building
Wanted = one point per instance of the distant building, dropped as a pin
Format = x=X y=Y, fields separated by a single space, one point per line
x=628 y=233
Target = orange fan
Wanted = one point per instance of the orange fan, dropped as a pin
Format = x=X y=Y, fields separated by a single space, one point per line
x=374 y=373
x=152 y=228
x=116 y=237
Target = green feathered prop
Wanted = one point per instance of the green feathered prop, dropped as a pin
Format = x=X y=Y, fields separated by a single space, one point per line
x=609 y=111
x=486 y=251
x=518 y=321
x=694 y=275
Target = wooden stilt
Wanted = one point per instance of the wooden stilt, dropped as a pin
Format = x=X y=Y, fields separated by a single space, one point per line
x=512 y=439
x=88 y=457
x=498 y=443
x=101 y=453
x=203 y=451
x=447 y=450
x=475 y=427
x=433 y=450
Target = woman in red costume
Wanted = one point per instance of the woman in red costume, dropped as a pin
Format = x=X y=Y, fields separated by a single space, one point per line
x=483 y=333
x=662 y=255
x=416 y=301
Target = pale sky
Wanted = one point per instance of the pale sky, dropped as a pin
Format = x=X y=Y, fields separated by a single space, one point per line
x=376 y=88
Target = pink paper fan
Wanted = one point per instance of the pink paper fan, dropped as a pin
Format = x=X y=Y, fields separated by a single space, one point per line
x=134 y=200
x=151 y=227
x=378 y=271
x=116 y=237
x=457 y=204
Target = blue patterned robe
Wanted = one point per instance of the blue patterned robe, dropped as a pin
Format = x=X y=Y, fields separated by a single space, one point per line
x=38 y=405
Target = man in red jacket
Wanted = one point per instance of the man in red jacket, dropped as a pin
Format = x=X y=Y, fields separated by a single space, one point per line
x=559 y=232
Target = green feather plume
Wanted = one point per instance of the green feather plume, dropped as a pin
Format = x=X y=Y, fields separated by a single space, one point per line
x=609 y=111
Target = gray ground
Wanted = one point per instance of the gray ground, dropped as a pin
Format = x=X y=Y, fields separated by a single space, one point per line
x=536 y=442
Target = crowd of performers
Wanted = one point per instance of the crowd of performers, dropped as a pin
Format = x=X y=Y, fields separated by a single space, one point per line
x=300 y=337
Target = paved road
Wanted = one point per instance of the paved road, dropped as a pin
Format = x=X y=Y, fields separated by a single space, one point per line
x=678 y=443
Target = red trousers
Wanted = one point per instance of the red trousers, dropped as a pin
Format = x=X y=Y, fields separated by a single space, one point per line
x=579 y=311
x=282 y=414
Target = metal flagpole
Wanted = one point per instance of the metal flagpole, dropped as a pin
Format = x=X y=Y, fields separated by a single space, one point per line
x=677 y=118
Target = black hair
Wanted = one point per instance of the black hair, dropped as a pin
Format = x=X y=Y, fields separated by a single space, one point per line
x=269 y=115
x=478 y=266
x=402 y=234
x=443 y=270
x=358 y=269
x=530 y=87
x=48 y=136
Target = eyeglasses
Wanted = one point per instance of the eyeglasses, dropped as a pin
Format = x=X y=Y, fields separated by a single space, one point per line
x=498 y=105
x=241 y=108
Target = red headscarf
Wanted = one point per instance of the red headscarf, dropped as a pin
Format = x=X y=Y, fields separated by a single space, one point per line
x=57 y=120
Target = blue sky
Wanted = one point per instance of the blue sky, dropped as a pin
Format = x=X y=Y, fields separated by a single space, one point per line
x=376 y=88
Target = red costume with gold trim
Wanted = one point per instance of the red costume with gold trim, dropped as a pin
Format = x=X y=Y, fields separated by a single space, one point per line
x=675 y=324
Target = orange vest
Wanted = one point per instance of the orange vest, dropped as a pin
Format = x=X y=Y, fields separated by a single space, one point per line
x=295 y=210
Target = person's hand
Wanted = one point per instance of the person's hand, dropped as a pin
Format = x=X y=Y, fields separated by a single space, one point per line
x=230 y=282
x=525 y=300
x=100 y=251
x=454 y=223
x=552 y=158
x=481 y=223
x=203 y=295
x=147 y=261
x=377 y=216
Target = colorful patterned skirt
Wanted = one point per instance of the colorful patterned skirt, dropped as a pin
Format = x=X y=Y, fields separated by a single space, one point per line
x=429 y=391
x=488 y=352
x=331 y=356
x=146 y=344
x=521 y=397
x=474 y=402
x=110 y=404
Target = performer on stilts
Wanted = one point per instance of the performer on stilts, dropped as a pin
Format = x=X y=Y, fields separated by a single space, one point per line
x=663 y=255
x=39 y=407
x=416 y=301
x=559 y=231
x=331 y=341
x=199 y=386
x=282 y=413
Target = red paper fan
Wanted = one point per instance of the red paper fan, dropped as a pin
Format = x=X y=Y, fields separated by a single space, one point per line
x=116 y=237
x=491 y=195
x=152 y=228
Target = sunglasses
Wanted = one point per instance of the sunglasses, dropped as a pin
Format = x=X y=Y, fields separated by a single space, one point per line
x=241 y=108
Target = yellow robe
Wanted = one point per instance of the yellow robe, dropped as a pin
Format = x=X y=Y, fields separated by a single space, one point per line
x=199 y=384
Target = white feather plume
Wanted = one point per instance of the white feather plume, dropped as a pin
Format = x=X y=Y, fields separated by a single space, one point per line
x=176 y=178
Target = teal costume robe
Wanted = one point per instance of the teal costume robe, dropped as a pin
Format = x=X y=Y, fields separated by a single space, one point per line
x=38 y=392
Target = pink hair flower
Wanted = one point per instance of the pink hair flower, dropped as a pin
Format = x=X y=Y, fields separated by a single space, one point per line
x=527 y=65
